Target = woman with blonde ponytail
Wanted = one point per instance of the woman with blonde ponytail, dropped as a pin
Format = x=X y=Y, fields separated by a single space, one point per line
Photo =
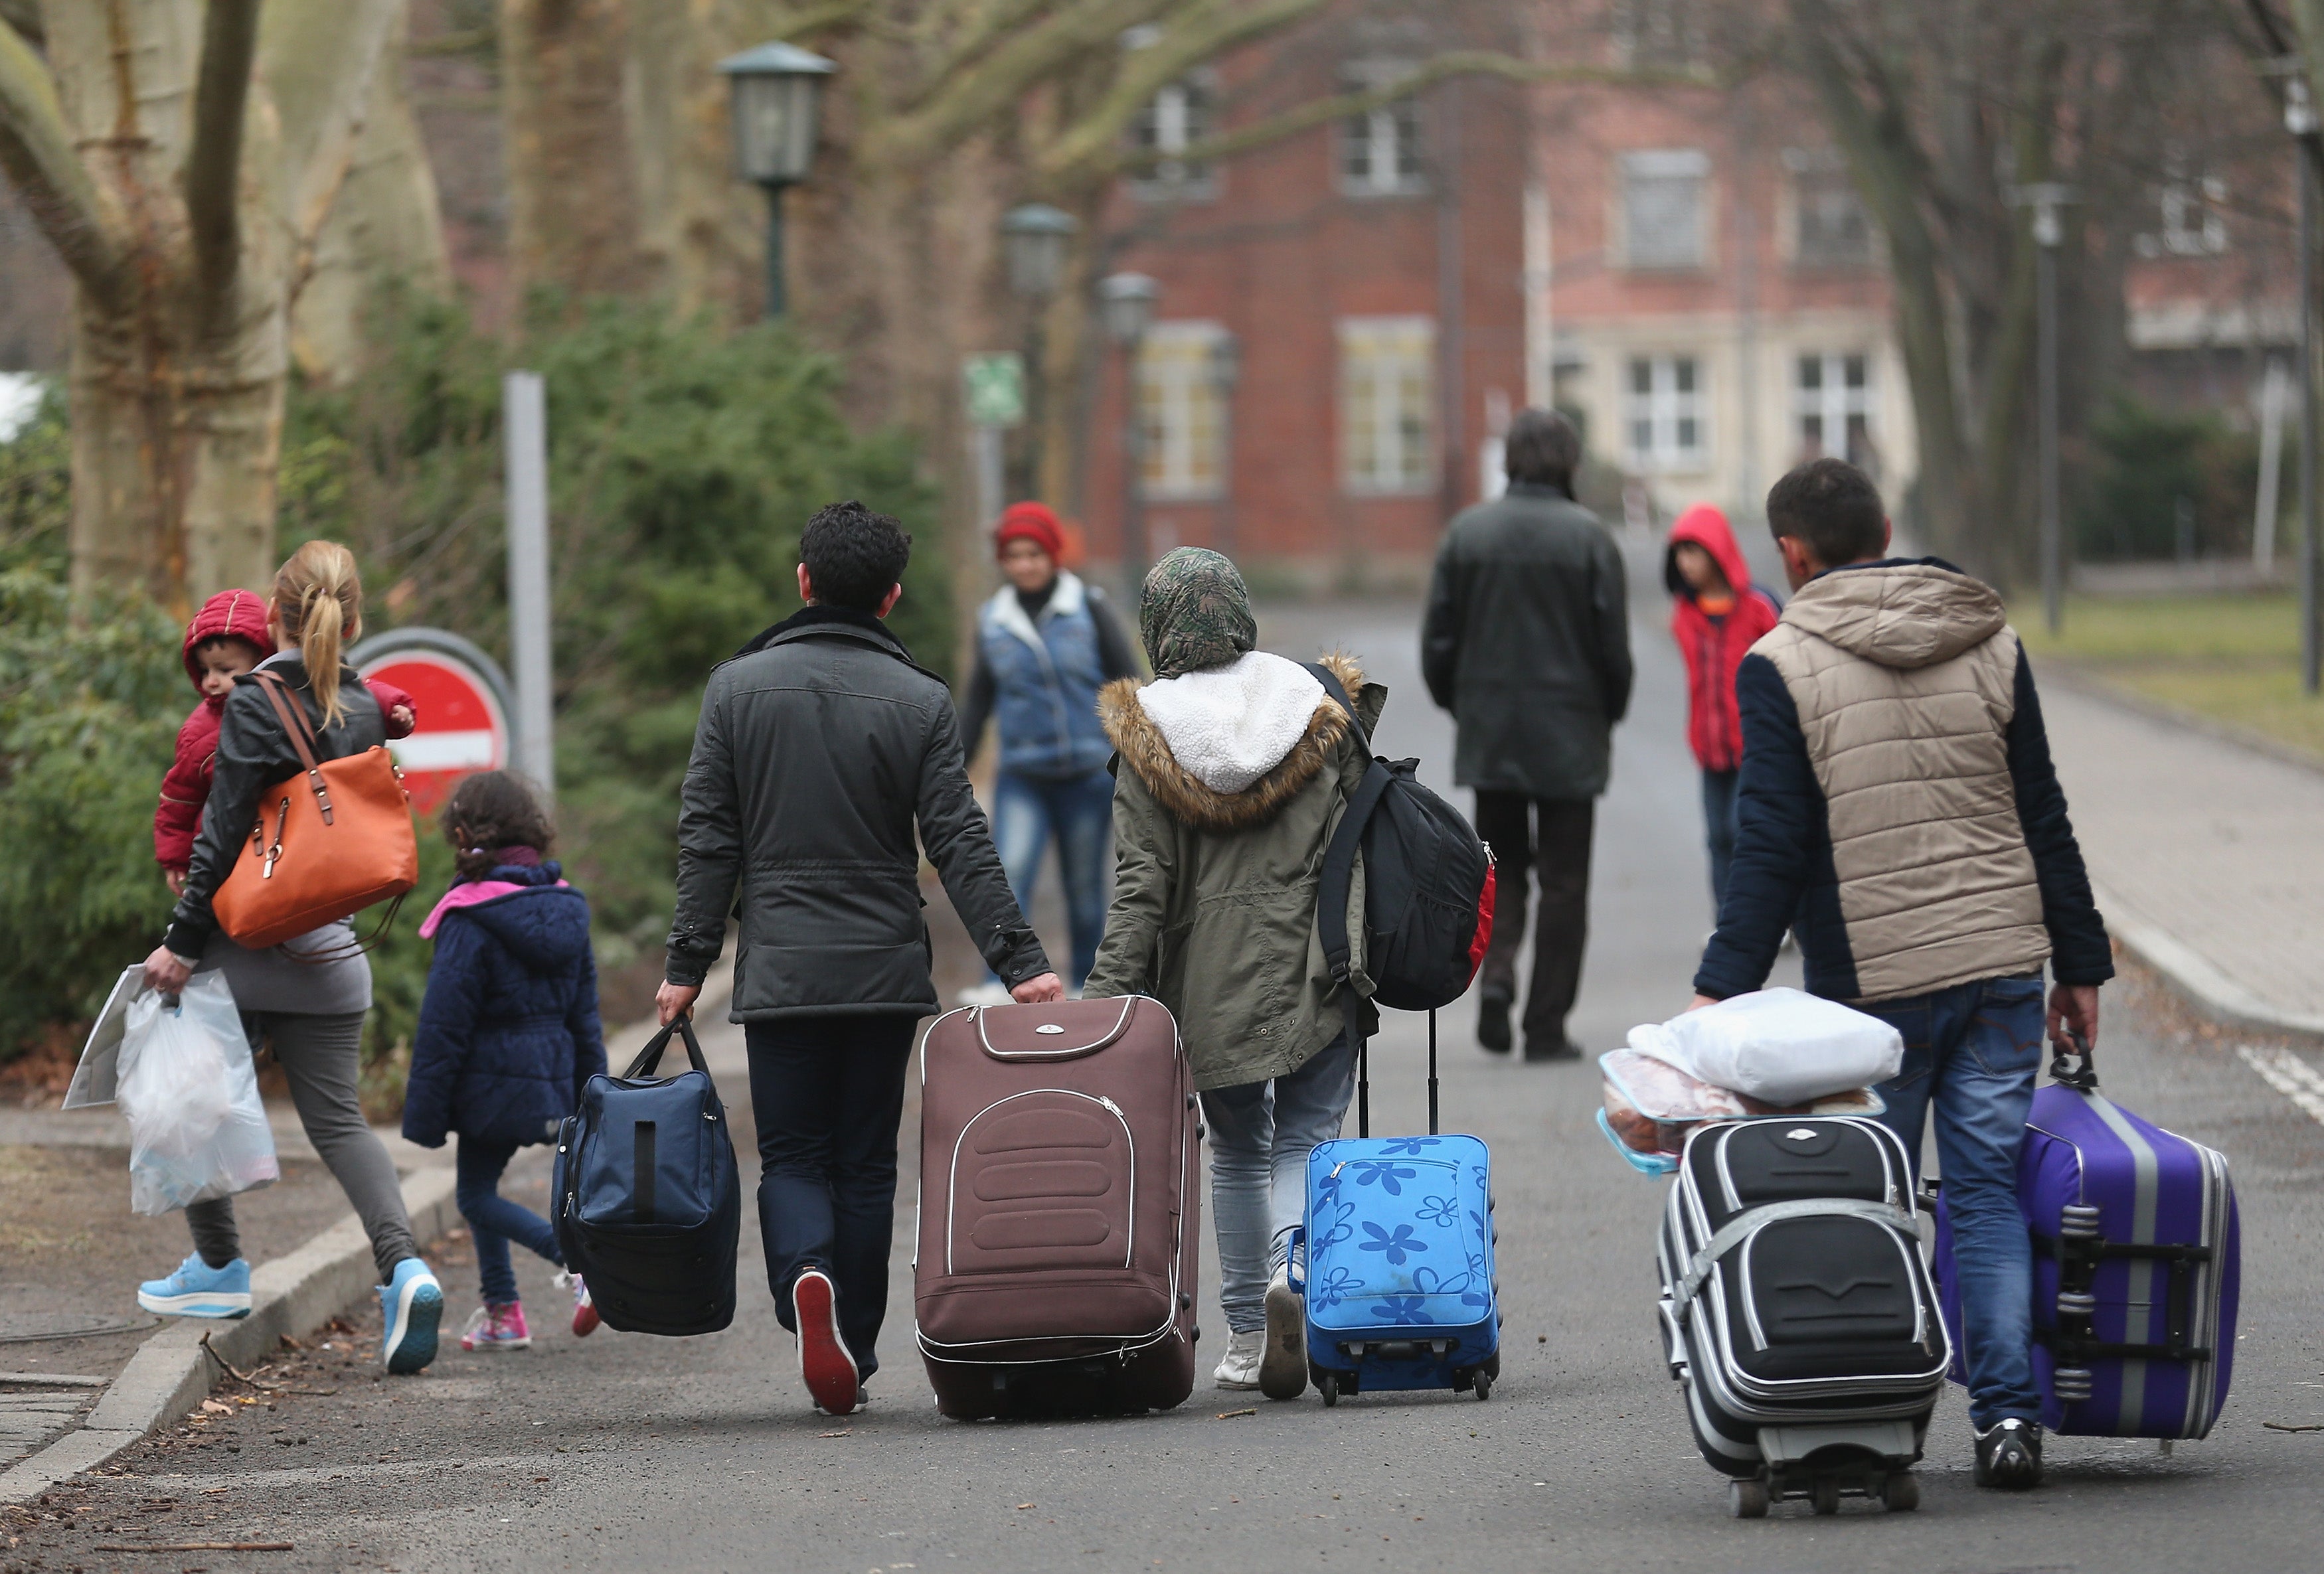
x=308 y=997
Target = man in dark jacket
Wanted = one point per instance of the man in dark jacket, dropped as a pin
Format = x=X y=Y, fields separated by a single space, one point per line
x=821 y=744
x=1527 y=643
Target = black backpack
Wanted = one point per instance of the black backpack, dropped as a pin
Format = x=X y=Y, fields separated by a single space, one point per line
x=649 y=1205
x=1428 y=884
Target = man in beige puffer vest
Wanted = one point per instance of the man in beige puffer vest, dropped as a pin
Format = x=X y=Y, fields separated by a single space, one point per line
x=1898 y=805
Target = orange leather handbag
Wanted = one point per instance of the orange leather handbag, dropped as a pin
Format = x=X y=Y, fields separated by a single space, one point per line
x=326 y=844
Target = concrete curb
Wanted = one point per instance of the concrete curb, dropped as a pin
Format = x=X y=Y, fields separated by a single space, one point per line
x=172 y=1371
x=2193 y=979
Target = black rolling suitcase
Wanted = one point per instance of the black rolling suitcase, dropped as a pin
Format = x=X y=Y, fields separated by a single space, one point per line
x=1797 y=1312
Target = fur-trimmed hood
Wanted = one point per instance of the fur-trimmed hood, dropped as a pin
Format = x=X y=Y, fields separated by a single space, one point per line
x=1146 y=749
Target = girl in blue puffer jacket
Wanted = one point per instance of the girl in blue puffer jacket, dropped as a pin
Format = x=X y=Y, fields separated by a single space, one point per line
x=508 y=1032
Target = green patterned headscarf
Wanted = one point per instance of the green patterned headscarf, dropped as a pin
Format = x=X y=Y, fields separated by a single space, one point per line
x=1195 y=613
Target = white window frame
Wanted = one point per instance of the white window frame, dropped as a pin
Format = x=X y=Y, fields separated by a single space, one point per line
x=1384 y=135
x=1667 y=413
x=1181 y=113
x=2194 y=222
x=1832 y=402
x=1402 y=463
x=1182 y=413
x=1670 y=165
x=1657 y=32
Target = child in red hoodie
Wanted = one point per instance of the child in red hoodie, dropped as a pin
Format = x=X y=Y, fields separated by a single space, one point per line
x=226 y=639
x=1717 y=614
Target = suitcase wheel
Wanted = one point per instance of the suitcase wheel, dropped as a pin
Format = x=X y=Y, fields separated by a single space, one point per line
x=1825 y=1494
x=1901 y=1491
x=1746 y=1498
x=1329 y=1387
x=1482 y=1385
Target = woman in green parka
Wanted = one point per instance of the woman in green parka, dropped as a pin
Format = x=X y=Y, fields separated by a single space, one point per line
x=1235 y=766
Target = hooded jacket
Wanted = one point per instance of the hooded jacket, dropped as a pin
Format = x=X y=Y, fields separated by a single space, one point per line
x=233 y=614
x=821 y=748
x=1229 y=783
x=1897 y=798
x=1713 y=644
x=508 y=1030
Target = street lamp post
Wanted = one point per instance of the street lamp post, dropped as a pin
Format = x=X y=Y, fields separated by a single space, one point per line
x=2049 y=234
x=776 y=91
x=2299 y=119
x=1226 y=372
x=1035 y=238
x=1126 y=303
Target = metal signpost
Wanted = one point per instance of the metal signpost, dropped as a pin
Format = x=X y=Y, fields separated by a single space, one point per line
x=525 y=427
x=993 y=391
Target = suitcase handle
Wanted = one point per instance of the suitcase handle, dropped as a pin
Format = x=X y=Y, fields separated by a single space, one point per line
x=650 y=1058
x=2083 y=1078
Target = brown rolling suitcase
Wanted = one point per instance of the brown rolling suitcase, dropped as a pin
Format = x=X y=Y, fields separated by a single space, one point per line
x=1060 y=1209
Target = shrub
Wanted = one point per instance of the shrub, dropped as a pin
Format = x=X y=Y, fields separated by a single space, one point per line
x=2154 y=470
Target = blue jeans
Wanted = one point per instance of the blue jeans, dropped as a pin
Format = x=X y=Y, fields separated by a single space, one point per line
x=1261 y=1134
x=1719 y=828
x=828 y=1094
x=1972 y=1052
x=494 y=1221
x=1079 y=812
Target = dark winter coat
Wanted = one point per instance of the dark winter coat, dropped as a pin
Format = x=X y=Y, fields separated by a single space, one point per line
x=820 y=748
x=508 y=1031
x=1713 y=644
x=1527 y=642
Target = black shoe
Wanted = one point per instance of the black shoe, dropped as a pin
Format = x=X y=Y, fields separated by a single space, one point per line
x=1558 y=1048
x=2009 y=1455
x=1493 y=1022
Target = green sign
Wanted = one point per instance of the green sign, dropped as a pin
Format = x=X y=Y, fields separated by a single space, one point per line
x=995 y=386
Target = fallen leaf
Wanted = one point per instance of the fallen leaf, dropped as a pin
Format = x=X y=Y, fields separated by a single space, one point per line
x=212 y=1408
x=1024 y=1505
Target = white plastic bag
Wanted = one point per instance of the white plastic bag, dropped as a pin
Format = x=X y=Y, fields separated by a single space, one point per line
x=197 y=1128
x=1778 y=1045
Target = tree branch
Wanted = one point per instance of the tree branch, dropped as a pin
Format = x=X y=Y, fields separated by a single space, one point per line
x=1442 y=67
x=36 y=150
x=214 y=162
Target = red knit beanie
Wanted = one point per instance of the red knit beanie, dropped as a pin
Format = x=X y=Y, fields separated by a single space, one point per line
x=1031 y=521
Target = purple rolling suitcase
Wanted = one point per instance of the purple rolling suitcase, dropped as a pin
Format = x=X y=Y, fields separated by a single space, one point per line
x=2135 y=1266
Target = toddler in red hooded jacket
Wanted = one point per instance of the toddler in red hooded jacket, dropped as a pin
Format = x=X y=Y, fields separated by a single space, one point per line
x=226 y=639
x=1717 y=614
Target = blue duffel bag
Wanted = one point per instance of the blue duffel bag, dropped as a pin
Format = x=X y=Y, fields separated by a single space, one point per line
x=649 y=1204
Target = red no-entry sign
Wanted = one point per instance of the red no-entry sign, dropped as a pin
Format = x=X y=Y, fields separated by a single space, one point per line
x=460 y=696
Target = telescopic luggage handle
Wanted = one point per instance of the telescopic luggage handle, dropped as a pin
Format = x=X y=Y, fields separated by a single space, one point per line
x=1364 y=1077
x=650 y=1057
x=2083 y=1076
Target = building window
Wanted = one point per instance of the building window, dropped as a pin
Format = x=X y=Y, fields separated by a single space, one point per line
x=1173 y=120
x=1379 y=150
x=1182 y=417
x=1833 y=400
x=1830 y=227
x=2194 y=223
x=1659 y=33
x=1662 y=208
x=1388 y=404
x=1663 y=414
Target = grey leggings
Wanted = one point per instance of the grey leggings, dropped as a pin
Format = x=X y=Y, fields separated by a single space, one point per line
x=321 y=1057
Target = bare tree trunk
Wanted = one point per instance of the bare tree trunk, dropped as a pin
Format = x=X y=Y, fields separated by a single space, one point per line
x=573 y=195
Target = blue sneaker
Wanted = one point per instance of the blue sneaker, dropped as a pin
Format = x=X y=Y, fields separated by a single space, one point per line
x=411 y=1304
x=198 y=1290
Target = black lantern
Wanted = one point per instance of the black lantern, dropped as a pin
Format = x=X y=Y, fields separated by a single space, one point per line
x=1035 y=236
x=775 y=88
x=1126 y=302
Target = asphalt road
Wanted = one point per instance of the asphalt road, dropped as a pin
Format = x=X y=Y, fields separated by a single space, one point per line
x=627 y=1452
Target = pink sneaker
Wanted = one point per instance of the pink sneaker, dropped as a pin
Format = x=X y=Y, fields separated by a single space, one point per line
x=496 y=1327
x=585 y=1311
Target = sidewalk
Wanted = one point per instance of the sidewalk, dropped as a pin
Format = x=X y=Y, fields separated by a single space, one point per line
x=2207 y=856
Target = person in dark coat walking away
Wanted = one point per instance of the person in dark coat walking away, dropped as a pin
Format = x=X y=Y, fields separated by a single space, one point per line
x=307 y=997
x=508 y=1033
x=1716 y=613
x=1046 y=643
x=822 y=747
x=1526 y=641
x=1898 y=803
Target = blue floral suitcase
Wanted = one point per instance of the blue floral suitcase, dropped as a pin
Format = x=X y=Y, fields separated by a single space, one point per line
x=1399 y=1280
